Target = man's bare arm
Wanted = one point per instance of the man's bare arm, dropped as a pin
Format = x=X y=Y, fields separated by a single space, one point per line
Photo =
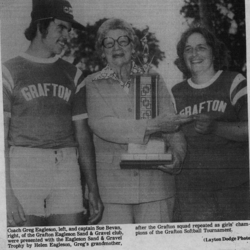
x=88 y=168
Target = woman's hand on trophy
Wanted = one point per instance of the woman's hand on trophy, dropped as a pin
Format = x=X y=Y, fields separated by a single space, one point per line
x=174 y=167
x=169 y=122
x=166 y=123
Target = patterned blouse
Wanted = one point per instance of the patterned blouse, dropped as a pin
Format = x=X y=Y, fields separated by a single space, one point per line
x=108 y=72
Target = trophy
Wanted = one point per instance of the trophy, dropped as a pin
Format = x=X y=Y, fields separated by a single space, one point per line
x=146 y=107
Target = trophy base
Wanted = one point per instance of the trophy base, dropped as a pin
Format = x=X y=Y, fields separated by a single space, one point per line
x=144 y=161
x=146 y=156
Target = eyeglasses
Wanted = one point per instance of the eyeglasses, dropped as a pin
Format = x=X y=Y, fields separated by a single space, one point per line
x=109 y=42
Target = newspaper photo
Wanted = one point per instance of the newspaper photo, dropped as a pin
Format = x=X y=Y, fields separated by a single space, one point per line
x=124 y=124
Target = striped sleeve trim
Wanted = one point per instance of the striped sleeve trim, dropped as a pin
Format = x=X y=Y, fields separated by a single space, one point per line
x=77 y=76
x=239 y=95
x=80 y=117
x=8 y=81
x=81 y=85
x=238 y=88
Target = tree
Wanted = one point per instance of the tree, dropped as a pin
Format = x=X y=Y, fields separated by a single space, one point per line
x=227 y=19
x=82 y=48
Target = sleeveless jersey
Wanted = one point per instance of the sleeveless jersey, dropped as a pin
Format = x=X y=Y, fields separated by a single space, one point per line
x=42 y=97
x=213 y=161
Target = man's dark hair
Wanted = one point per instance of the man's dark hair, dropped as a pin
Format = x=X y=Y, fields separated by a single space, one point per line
x=220 y=52
x=30 y=32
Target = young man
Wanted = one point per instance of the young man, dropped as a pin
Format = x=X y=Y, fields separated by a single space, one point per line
x=46 y=131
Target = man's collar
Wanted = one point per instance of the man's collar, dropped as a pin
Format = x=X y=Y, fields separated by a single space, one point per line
x=39 y=59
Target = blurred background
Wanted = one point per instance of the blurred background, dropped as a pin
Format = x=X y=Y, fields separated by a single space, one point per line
x=162 y=21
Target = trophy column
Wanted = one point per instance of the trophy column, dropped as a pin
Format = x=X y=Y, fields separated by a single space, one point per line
x=146 y=107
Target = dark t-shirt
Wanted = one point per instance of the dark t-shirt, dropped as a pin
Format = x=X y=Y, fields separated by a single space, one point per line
x=42 y=97
x=214 y=162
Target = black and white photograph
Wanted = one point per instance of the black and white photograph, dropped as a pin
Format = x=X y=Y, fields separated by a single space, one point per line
x=124 y=124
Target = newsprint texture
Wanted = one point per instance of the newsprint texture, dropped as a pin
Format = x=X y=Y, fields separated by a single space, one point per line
x=163 y=18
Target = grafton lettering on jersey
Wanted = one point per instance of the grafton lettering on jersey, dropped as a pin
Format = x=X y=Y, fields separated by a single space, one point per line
x=45 y=89
x=207 y=106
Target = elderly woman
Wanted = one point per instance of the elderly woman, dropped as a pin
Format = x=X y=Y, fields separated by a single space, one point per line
x=129 y=195
x=215 y=178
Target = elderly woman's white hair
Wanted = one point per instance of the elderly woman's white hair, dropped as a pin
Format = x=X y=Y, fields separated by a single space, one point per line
x=114 y=24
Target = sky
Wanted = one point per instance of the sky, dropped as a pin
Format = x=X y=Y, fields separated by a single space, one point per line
x=162 y=17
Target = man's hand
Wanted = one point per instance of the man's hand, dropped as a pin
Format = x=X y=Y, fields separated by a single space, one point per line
x=87 y=163
x=204 y=124
x=95 y=207
x=15 y=213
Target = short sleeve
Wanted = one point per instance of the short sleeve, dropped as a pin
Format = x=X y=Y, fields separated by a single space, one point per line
x=8 y=85
x=238 y=96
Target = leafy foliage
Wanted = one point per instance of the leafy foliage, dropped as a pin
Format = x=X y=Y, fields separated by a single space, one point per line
x=82 y=48
x=227 y=19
